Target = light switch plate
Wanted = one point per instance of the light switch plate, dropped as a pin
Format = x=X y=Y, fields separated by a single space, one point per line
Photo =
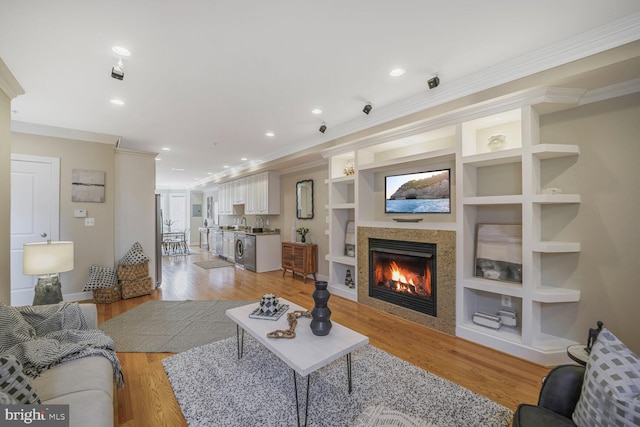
x=89 y=222
x=80 y=213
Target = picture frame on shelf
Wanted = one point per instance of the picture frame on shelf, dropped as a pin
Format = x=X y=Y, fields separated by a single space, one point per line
x=350 y=239
x=499 y=252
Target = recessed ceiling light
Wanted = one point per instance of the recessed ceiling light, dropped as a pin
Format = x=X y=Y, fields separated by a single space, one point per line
x=166 y=149
x=316 y=111
x=122 y=51
x=397 y=72
x=158 y=159
x=117 y=102
x=270 y=134
x=209 y=173
x=226 y=166
x=177 y=169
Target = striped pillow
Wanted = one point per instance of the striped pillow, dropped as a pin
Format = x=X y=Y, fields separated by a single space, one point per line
x=14 y=383
x=611 y=389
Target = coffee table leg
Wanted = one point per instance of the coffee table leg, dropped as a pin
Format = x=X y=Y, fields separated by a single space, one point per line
x=349 y=372
x=306 y=407
x=240 y=340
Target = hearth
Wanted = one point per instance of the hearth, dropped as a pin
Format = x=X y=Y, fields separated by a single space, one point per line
x=403 y=273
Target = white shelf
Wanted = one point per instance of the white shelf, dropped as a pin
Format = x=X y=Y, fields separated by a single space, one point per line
x=444 y=154
x=343 y=206
x=493 y=286
x=552 y=151
x=346 y=260
x=343 y=291
x=347 y=179
x=508 y=334
x=550 y=294
x=515 y=199
x=513 y=155
x=548 y=199
x=556 y=247
x=550 y=343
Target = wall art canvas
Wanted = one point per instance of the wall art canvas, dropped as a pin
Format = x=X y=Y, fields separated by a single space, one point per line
x=499 y=252
x=87 y=186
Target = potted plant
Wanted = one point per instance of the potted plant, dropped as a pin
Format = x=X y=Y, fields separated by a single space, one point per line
x=302 y=231
x=169 y=223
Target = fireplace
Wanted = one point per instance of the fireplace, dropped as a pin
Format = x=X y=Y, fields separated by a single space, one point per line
x=403 y=273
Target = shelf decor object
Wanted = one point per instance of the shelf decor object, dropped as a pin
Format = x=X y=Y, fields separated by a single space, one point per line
x=497 y=141
x=499 y=252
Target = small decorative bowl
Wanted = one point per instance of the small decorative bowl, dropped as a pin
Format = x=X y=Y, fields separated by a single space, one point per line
x=497 y=141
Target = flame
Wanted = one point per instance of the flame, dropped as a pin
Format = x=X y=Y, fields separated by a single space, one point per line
x=398 y=276
x=394 y=277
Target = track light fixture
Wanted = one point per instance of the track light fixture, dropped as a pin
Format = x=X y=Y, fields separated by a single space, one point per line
x=433 y=82
x=117 y=72
x=323 y=128
x=367 y=108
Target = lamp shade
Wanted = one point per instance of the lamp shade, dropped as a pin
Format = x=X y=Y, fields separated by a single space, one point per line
x=47 y=257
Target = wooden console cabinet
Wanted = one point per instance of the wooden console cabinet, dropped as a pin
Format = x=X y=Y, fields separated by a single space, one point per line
x=300 y=258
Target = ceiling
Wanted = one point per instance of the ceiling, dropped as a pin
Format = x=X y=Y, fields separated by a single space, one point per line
x=209 y=79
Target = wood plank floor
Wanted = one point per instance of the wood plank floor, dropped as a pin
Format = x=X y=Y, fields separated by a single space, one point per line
x=147 y=398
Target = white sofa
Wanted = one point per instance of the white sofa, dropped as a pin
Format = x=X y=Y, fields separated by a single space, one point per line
x=86 y=385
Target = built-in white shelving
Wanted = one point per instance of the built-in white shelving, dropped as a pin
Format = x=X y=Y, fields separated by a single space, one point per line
x=501 y=185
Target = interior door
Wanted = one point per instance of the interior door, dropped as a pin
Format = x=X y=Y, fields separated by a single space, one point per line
x=35 y=189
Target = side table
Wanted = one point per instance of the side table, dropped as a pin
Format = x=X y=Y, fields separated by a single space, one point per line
x=578 y=353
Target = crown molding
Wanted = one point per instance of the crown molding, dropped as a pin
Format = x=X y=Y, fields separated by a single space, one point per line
x=57 y=132
x=612 y=91
x=8 y=83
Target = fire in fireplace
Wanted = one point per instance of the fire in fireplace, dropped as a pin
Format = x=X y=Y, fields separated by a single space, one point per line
x=403 y=273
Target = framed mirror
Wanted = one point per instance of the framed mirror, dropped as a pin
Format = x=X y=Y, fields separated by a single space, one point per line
x=304 y=199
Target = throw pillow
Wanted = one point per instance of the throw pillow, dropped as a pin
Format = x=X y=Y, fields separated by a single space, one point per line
x=611 y=389
x=5 y=399
x=101 y=277
x=135 y=255
x=14 y=382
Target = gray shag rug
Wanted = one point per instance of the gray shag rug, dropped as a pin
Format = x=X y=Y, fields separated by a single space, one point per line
x=214 y=263
x=213 y=387
x=171 y=326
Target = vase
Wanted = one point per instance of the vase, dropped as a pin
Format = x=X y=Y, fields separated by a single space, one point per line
x=303 y=239
x=321 y=315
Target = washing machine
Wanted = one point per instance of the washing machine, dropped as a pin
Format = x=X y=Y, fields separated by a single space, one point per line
x=238 y=248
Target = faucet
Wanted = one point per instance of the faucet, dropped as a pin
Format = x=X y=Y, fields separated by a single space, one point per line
x=243 y=222
x=260 y=221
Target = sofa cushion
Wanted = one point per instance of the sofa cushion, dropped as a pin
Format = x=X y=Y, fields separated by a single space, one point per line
x=6 y=399
x=87 y=373
x=382 y=416
x=611 y=388
x=101 y=277
x=14 y=382
x=135 y=255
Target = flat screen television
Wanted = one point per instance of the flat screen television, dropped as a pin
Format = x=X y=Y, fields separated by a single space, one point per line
x=418 y=192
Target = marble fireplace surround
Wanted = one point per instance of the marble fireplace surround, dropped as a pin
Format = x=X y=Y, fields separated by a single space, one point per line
x=445 y=241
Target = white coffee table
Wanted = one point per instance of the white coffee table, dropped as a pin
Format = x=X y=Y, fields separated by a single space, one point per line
x=304 y=354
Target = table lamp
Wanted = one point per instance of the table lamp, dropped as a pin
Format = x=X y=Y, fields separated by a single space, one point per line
x=48 y=259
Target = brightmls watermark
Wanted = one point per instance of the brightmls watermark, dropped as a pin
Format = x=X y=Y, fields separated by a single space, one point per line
x=35 y=415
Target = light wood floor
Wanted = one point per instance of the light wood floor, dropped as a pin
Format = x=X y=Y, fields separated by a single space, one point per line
x=147 y=398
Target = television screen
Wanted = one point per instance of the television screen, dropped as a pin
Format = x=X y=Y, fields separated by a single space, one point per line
x=417 y=193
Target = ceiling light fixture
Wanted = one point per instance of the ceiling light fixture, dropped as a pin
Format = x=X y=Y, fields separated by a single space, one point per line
x=226 y=166
x=166 y=149
x=323 y=128
x=397 y=72
x=158 y=159
x=316 y=111
x=122 y=51
x=244 y=159
x=270 y=134
x=117 y=102
x=367 y=108
x=433 y=82
x=178 y=169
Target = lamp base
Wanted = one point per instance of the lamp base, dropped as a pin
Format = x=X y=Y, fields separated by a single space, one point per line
x=48 y=290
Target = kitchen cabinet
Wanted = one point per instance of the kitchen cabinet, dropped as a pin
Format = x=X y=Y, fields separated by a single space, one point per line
x=263 y=194
x=300 y=258
x=228 y=243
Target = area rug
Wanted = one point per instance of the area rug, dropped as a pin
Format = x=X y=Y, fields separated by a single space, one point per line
x=171 y=326
x=213 y=387
x=214 y=263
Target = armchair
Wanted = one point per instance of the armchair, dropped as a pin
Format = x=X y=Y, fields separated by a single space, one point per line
x=559 y=395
